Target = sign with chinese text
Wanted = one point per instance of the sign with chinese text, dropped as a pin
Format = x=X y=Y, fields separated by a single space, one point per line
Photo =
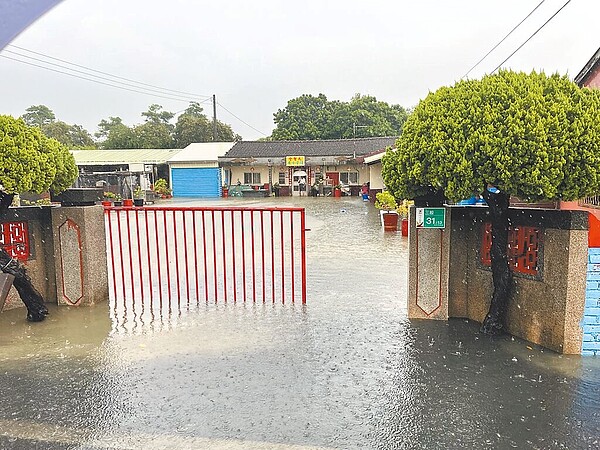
x=431 y=217
x=14 y=238
x=294 y=161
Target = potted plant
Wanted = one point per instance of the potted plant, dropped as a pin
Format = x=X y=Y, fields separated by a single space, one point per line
x=118 y=201
x=225 y=190
x=161 y=188
x=108 y=198
x=138 y=196
x=386 y=203
x=403 y=213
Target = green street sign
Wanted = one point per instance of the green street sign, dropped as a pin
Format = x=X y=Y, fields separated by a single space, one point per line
x=431 y=217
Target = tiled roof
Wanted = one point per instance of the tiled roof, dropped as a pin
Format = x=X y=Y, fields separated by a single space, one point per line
x=580 y=79
x=334 y=147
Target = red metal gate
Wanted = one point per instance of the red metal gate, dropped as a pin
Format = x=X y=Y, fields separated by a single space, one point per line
x=177 y=257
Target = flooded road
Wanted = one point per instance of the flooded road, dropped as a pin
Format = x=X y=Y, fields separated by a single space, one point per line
x=345 y=371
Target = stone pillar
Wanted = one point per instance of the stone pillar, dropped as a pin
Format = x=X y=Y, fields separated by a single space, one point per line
x=80 y=255
x=429 y=251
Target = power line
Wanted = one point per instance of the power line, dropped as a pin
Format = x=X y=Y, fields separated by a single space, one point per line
x=503 y=39
x=109 y=74
x=245 y=123
x=94 y=81
x=530 y=37
x=177 y=96
x=98 y=76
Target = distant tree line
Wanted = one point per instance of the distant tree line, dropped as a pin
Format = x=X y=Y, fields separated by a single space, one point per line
x=156 y=131
x=310 y=117
x=307 y=117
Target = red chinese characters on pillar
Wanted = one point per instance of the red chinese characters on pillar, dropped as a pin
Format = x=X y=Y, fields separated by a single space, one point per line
x=14 y=238
x=523 y=248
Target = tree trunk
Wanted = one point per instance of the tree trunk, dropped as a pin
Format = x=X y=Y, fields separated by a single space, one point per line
x=5 y=200
x=494 y=322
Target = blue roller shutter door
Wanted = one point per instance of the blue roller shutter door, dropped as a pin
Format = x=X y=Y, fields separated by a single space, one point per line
x=196 y=182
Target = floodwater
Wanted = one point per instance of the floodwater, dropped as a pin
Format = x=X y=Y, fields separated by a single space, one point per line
x=346 y=371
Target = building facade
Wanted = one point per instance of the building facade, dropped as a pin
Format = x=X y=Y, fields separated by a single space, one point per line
x=301 y=167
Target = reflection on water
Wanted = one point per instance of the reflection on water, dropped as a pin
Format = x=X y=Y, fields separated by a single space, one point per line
x=346 y=371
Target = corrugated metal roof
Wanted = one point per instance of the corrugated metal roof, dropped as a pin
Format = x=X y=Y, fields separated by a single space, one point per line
x=123 y=156
x=202 y=151
x=333 y=147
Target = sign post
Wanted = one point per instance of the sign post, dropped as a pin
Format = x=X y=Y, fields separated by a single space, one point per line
x=431 y=218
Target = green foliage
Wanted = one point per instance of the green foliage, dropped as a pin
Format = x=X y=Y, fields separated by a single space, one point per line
x=531 y=135
x=161 y=187
x=138 y=192
x=308 y=117
x=157 y=132
x=31 y=162
x=38 y=116
x=385 y=200
x=72 y=136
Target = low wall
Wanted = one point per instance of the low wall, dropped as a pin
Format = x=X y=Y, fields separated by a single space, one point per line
x=550 y=264
x=63 y=249
x=28 y=231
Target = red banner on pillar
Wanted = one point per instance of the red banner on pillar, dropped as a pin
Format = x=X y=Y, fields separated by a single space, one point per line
x=14 y=238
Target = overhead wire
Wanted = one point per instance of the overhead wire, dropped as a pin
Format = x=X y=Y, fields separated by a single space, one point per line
x=503 y=39
x=152 y=90
x=95 y=81
x=530 y=37
x=241 y=120
x=107 y=73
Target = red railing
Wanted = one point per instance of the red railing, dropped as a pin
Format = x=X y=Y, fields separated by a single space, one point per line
x=174 y=257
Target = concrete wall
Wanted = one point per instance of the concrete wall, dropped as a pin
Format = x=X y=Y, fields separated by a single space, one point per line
x=40 y=265
x=591 y=317
x=375 y=176
x=546 y=310
x=67 y=262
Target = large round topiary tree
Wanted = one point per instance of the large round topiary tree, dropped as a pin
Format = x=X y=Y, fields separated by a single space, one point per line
x=31 y=162
x=529 y=135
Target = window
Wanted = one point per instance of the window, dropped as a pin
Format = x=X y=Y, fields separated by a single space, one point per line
x=281 y=178
x=251 y=178
x=524 y=247
x=349 y=177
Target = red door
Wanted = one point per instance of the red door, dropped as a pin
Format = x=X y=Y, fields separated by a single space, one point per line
x=334 y=177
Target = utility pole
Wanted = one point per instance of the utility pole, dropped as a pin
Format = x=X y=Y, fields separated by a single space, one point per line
x=214 y=118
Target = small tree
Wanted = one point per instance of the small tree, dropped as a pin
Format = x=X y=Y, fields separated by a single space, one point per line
x=528 y=135
x=30 y=161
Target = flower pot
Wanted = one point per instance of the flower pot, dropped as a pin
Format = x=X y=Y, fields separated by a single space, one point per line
x=390 y=221
x=118 y=203
x=106 y=203
x=127 y=202
x=404 y=227
x=337 y=192
x=138 y=202
x=225 y=192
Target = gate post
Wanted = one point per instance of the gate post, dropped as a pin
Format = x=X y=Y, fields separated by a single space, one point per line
x=428 y=270
x=80 y=255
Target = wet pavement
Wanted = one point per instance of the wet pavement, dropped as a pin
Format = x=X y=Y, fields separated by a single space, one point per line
x=346 y=371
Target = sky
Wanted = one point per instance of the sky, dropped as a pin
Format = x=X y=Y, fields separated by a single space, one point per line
x=255 y=56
